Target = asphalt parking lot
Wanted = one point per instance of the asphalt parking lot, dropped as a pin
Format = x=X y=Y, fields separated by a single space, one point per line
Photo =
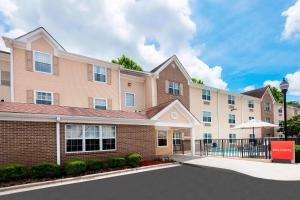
x=177 y=183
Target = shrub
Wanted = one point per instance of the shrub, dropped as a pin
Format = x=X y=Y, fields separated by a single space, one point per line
x=95 y=164
x=74 y=167
x=297 y=153
x=45 y=170
x=13 y=172
x=113 y=162
x=133 y=159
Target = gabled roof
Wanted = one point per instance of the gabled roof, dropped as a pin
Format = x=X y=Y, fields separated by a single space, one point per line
x=258 y=93
x=40 y=30
x=150 y=112
x=163 y=65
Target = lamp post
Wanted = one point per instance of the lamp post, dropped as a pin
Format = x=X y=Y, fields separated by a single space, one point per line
x=284 y=86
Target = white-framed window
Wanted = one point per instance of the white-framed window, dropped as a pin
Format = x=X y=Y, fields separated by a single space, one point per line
x=280 y=110
x=250 y=118
x=176 y=138
x=231 y=119
x=162 y=140
x=174 y=88
x=85 y=138
x=251 y=104
x=99 y=73
x=267 y=106
x=231 y=99
x=100 y=103
x=232 y=138
x=207 y=138
x=129 y=99
x=43 y=97
x=42 y=62
x=206 y=116
x=205 y=94
x=268 y=119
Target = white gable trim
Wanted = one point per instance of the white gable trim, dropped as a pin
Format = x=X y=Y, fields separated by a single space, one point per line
x=268 y=91
x=180 y=66
x=178 y=105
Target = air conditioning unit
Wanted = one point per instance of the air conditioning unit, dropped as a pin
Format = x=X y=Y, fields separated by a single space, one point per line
x=251 y=109
x=206 y=102
x=207 y=124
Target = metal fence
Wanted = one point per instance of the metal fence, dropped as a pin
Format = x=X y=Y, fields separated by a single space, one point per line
x=259 y=148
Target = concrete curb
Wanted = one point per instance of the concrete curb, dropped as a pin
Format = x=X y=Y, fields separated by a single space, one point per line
x=79 y=179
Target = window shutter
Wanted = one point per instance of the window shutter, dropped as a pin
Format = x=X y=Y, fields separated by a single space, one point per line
x=167 y=86
x=56 y=99
x=29 y=95
x=108 y=73
x=91 y=102
x=109 y=104
x=181 y=89
x=29 y=62
x=55 y=65
x=90 y=72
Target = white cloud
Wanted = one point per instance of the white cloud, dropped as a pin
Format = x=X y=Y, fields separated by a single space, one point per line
x=107 y=30
x=294 y=81
x=292 y=23
x=248 y=88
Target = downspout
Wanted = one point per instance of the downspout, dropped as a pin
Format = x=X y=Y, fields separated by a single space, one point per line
x=58 y=140
x=12 y=94
x=218 y=117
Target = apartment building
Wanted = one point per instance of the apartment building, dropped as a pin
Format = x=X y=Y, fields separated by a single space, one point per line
x=57 y=105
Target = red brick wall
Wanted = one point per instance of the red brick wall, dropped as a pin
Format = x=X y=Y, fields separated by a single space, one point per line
x=27 y=142
x=172 y=74
x=130 y=138
x=264 y=114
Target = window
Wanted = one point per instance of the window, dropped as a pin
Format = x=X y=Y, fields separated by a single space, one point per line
x=43 y=98
x=92 y=138
x=176 y=138
x=206 y=116
x=174 y=88
x=252 y=138
x=231 y=100
x=267 y=106
x=232 y=138
x=100 y=104
x=268 y=119
x=4 y=78
x=129 y=98
x=251 y=104
x=99 y=73
x=231 y=119
x=42 y=62
x=250 y=118
x=108 y=138
x=84 y=138
x=280 y=111
x=207 y=138
x=74 y=138
x=206 y=95
x=162 y=138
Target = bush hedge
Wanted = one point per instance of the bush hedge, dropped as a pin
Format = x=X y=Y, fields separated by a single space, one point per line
x=45 y=170
x=297 y=153
x=133 y=159
x=114 y=162
x=95 y=164
x=13 y=172
x=74 y=167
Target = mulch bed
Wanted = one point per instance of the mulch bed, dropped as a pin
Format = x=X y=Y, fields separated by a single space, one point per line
x=29 y=180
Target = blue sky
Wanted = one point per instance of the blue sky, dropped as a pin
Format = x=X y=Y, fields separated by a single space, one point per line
x=229 y=44
x=246 y=41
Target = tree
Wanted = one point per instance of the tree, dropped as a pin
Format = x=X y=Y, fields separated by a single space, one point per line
x=277 y=94
x=293 y=126
x=198 y=81
x=128 y=63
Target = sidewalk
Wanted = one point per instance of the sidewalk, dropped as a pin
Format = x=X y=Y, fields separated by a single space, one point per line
x=264 y=170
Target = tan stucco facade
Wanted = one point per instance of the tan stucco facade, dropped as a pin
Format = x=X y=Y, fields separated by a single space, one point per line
x=4 y=68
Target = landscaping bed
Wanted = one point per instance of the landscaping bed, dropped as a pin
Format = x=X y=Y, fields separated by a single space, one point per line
x=15 y=174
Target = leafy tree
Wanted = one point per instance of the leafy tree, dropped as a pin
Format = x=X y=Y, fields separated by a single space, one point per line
x=198 y=81
x=128 y=63
x=278 y=96
x=293 y=126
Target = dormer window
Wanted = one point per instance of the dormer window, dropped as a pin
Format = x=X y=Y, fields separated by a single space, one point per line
x=42 y=62
x=99 y=73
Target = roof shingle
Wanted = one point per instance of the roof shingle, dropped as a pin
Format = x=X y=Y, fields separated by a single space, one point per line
x=258 y=93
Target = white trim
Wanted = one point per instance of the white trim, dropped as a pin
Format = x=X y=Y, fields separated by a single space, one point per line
x=270 y=93
x=171 y=124
x=94 y=102
x=42 y=91
x=126 y=100
x=95 y=65
x=12 y=94
x=166 y=139
x=133 y=78
x=58 y=141
x=152 y=92
x=51 y=62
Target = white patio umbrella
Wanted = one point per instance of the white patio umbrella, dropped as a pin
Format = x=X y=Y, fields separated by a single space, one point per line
x=253 y=123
